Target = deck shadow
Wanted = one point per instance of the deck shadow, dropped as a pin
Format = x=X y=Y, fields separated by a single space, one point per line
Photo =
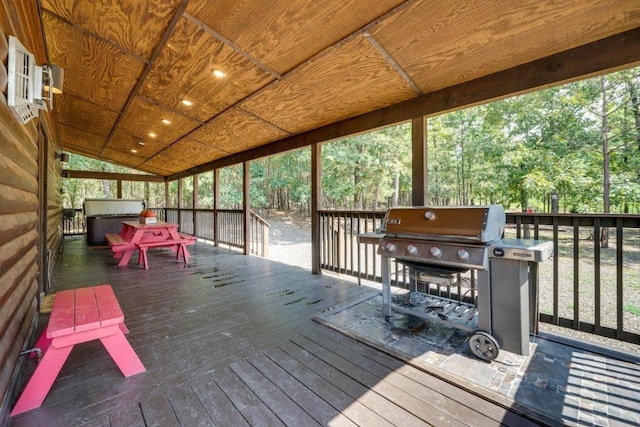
x=556 y=383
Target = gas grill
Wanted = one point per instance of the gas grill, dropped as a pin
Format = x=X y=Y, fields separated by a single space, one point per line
x=440 y=245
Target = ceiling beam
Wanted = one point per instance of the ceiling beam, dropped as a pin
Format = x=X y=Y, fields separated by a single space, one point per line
x=394 y=64
x=232 y=45
x=67 y=173
x=607 y=55
x=363 y=31
x=94 y=35
x=174 y=21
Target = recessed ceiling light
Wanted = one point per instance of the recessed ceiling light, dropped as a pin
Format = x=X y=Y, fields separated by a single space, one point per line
x=166 y=121
x=141 y=143
x=152 y=135
x=187 y=102
x=133 y=150
x=219 y=73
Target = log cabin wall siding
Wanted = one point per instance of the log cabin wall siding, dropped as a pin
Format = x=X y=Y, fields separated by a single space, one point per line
x=22 y=175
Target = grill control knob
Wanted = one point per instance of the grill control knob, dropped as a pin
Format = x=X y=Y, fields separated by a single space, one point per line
x=435 y=251
x=430 y=215
x=390 y=247
x=412 y=250
x=463 y=255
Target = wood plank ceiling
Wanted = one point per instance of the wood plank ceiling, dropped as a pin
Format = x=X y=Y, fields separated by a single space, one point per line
x=291 y=65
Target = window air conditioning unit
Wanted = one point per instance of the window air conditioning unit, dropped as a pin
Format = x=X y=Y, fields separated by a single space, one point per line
x=27 y=84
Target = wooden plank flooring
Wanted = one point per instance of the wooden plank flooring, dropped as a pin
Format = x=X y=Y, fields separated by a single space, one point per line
x=229 y=341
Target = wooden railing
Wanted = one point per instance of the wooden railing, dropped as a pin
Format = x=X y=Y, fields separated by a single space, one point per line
x=201 y=223
x=73 y=222
x=585 y=286
x=223 y=227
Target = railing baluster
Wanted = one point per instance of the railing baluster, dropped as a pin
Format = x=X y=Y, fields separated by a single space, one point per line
x=596 y=276
x=619 y=279
x=350 y=245
x=576 y=274
x=556 y=279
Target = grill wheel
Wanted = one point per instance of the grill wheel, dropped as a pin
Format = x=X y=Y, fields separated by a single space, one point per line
x=484 y=346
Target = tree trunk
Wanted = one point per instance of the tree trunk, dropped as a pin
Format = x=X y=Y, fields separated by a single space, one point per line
x=106 y=188
x=147 y=195
x=606 y=182
x=635 y=106
x=555 y=206
x=376 y=196
x=396 y=189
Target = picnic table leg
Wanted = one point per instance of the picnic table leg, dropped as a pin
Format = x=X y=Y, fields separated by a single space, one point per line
x=123 y=354
x=180 y=251
x=43 y=344
x=42 y=379
x=126 y=256
x=185 y=253
x=145 y=259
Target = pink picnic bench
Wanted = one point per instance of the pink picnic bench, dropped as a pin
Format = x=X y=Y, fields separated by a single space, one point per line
x=78 y=316
x=180 y=243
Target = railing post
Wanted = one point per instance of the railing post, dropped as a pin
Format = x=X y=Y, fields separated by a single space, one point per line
x=316 y=196
x=596 y=277
x=246 y=206
x=216 y=192
x=194 y=205
x=180 y=203
x=265 y=241
x=619 y=280
x=556 y=277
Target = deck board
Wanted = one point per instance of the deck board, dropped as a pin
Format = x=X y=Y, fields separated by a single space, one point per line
x=424 y=400
x=434 y=385
x=230 y=340
x=336 y=397
x=416 y=414
x=188 y=407
x=279 y=403
x=157 y=411
x=220 y=408
x=357 y=391
x=127 y=414
x=249 y=405
x=311 y=403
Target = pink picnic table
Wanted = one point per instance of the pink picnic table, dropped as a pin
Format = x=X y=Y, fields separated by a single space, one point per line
x=139 y=236
x=78 y=316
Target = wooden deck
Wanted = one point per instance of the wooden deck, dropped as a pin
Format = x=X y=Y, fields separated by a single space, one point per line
x=228 y=340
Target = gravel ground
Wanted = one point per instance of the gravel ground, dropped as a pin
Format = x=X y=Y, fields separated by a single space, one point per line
x=290 y=239
x=290 y=243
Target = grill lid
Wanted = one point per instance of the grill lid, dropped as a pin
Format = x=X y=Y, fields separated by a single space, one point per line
x=479 y=224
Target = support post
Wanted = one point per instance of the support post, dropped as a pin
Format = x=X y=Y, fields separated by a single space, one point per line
x=246 y=208
x=316 y=197
x=180 y=202
x=194 y=204
x=216 y=203
x=419 y=163
x=166 y=198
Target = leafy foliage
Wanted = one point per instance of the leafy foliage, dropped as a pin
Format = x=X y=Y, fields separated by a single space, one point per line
x=578 y=144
